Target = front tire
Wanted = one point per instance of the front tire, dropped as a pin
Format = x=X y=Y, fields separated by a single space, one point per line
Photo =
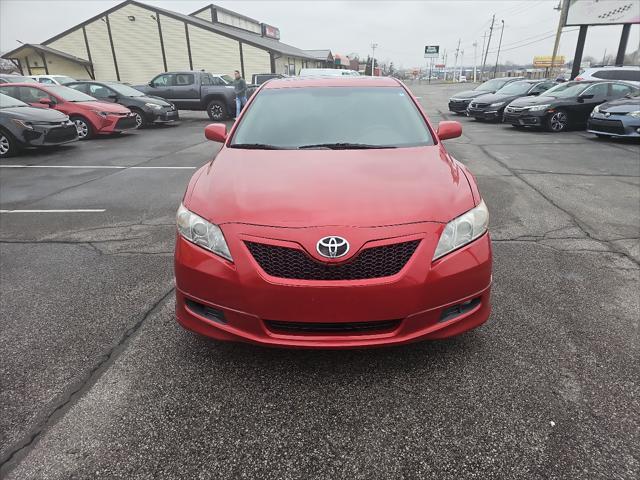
x=8 y=146
x=84 y=128
x=216 y=110
x=141 y=121
x=558 y=121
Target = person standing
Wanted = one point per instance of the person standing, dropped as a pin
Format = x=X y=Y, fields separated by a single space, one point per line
x=240 y=86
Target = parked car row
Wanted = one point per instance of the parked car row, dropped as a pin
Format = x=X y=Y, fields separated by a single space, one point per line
x=555 y=107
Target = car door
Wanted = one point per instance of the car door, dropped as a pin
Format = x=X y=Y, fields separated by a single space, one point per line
x=588 y=99
x=162 y=86
x=186 y=91
x=101 y=92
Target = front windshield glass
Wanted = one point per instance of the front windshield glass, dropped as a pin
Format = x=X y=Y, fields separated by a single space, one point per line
x=515 y=88
x=125 y=90
x=565 y=90
x=375 y=117
x=492 y=85
x=7 y=102
x=227 y=78
x=69 y=94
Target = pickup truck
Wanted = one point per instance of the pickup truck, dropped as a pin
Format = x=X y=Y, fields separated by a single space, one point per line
x=194 y=90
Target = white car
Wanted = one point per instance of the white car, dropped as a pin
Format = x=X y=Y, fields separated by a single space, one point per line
x=327 y=72
x=462 y=79
x=53 y=79
x=628 y=74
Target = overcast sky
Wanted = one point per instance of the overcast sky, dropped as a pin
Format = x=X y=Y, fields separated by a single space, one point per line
x=400 y=28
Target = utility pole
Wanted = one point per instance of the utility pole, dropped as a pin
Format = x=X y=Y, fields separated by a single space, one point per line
x=461 y=63
x=495 y=70
x=455 y=62
x=486 y=52
x=444 y=62
x=563 y=7
x=373 y=59
x=475 y=55
x=604 y=57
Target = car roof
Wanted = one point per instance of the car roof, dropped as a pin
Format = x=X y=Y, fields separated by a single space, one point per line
x=331 y=81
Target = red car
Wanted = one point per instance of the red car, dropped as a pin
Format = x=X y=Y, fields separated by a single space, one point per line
x=340 y=221
x=90 y=116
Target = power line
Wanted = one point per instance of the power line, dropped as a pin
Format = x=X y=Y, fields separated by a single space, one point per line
x=536 y=41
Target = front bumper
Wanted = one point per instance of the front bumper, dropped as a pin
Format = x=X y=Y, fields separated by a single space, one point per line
x=115 y=123
x=418 y=299
x=485 y=114
x=459 y=106
x=43 y=135
x=524 y=118
x=165 y=115
x=614 y=125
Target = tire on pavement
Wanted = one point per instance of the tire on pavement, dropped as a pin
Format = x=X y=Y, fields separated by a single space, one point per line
x=557 y=121
x=85 y=130
x=8 y=145
x=216 y=110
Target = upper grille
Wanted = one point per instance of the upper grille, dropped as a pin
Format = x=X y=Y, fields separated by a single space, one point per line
x=374 y=262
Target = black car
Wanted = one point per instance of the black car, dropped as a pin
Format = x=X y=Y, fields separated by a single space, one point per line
x=460 y=101
x=146 y=108
x=565 y=105
x=24 y=126
x=620 y=118
x=11 y=78
x=491 y=105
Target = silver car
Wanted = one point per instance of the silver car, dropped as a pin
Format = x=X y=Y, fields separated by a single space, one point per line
x=619 y=118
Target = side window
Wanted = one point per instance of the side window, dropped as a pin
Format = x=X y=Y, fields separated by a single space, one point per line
x=598 y=90
x=205 y=79
x=601 y=74
x=619 y=90
x=184 y=79
x=11 y=91
x=46 y=81
x=98 y=91
x=632 y=75
x=81 y=87
x=217 y=81
x=539 y=88
x=31 y=95
x=164 y=80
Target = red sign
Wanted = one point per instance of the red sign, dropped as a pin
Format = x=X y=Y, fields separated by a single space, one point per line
x=439 y=65
x=271 y=32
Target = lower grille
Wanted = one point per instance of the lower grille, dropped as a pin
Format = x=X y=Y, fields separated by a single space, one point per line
x=293 y=263
x=62 y=134
x=334 y=328
x=126 y=123
x=608 y=126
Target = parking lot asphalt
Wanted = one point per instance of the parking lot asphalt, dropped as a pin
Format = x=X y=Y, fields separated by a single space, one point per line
x=98 y=380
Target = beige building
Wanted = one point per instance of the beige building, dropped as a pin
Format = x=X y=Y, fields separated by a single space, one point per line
x=132 y=42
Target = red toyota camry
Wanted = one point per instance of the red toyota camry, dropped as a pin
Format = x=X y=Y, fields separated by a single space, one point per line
x=332 y=217
x=91 y=116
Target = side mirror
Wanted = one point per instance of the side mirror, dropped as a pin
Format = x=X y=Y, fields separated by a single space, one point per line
x=216 y=132
x=582 y=98
x=534 y=94
x=113 y=97
x=449 y=129
x=46 y=101
x=151 y=84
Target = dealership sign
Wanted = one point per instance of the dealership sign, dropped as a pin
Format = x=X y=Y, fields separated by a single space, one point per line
x=603 y=12
x=270 y=31
x=545 y=61
x=432 y=51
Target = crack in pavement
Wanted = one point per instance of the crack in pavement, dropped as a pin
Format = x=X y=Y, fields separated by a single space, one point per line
x=578 y=224
x=75 y=391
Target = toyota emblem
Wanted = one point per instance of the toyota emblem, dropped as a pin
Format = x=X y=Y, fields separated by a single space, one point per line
x=332 y=247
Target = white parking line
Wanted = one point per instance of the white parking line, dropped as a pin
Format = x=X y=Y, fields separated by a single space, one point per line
x=89 y=167
x=75 y=210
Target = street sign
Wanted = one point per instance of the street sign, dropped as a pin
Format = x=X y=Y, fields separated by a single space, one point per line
x=544 y=61
x=432 y=51
x=439 y=65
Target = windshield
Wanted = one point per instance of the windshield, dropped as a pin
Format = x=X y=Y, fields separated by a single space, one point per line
x=344 y=117
x=18 y=79
x=125 y=90
x=69 y=94
x=565 y=90
x=227 y=78
x=515 y=88
x=7 y=102
x=492 y=85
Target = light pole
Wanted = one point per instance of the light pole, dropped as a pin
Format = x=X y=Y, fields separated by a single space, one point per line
x=373 y=59
x=475 y=54
x=495 y=70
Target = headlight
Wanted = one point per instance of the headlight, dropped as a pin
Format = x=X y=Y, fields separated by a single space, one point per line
x=23 y=124
x=155 y=106
x=537 y=108
x=596 y=109
x=498 y=104
x=635 y=114
x=102 y=114
x=463 y=230
x=197 y=230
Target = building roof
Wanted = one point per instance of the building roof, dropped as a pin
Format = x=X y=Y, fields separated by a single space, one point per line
x=211 y=6
x=320 y=54
x=239 y=34
x=44 y=49
x=333 y=81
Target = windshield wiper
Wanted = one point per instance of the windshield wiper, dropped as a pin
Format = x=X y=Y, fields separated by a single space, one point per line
x=344 y=146
x=256 y=146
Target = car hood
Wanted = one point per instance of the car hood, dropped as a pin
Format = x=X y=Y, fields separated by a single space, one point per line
x=33 y=114
x=494 y=97
x=623 y=105
x=308 y=188
x=103 y=106
x=534 y=100
x=470 y=94
x=152 y=99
